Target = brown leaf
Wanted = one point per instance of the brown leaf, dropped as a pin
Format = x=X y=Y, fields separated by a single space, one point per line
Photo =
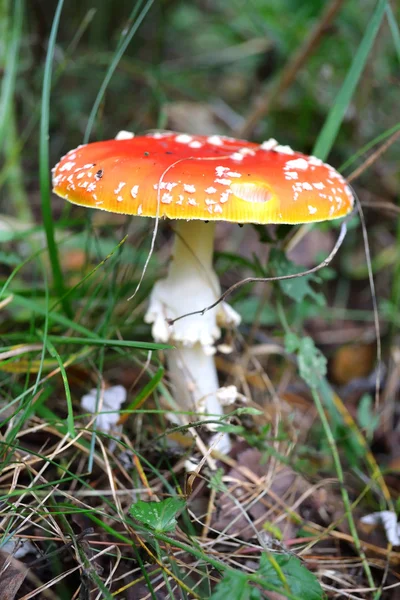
x=275 y=596
x=12 y=575
x=311 y=246
x=352 y=361
x=249 y=478
x=73 y=259
x=191 y=117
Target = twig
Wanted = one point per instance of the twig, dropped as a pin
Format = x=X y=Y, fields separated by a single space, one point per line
x=48 y=557
x=381 y=205
x=374 y=156
x=289 y=73
x=375 y=307
x=239 y=284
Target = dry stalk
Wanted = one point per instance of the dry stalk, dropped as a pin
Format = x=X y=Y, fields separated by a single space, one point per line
x=296 y=62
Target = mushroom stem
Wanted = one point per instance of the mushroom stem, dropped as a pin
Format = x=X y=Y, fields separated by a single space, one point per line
x=191 y=366
x=191 y=285
x=193 y=249
x=193 y=379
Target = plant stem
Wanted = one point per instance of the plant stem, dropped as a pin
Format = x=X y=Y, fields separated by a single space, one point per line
x=44 y=165
x=343 y=490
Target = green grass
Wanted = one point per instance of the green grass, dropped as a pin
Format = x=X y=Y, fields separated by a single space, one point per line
x=10 y=60
x=336 y=114
x=134 y=22
x=44 y=164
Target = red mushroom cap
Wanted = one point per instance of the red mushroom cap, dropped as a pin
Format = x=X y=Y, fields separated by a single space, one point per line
x=217 y=178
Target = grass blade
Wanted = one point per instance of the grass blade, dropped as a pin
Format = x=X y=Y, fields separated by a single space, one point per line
x=122 y=46
x=91 y=337
x=107 y=342
x=379 y=138
x=394 y=29
x=70 y=416
x=10 y=68
x=332 y=124
x=44 y=165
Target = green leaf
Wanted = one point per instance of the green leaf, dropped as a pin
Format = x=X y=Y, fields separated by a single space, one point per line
x=300 y=581
x=235 y=587
x=273 y=530
x=349 y=442
x=283 y=230
x=10 y=259
x=292 y=342
x=160 y=516
x=280 y=571
x=263 y=233
x=311 y=361
x=366 y=417
x=298 y=288
x=249 y=309
x=247 y=410
x=216 y=482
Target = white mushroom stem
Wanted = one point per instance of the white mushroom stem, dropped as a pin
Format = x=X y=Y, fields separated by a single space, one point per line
x=194 y=379
x=191 y=285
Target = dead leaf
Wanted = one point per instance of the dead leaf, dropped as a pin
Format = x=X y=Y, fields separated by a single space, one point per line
x=251 y=477
x=192 y=117
x=352 y=361
x=12 y=575
x=311 y=246
x=73 y=259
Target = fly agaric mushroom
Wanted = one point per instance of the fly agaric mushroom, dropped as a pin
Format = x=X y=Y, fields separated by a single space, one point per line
x=197 y=179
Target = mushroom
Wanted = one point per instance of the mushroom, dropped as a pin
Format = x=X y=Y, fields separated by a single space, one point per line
x=196 y=180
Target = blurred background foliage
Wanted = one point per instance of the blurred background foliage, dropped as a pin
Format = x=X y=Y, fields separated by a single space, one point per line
x=216 y=54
